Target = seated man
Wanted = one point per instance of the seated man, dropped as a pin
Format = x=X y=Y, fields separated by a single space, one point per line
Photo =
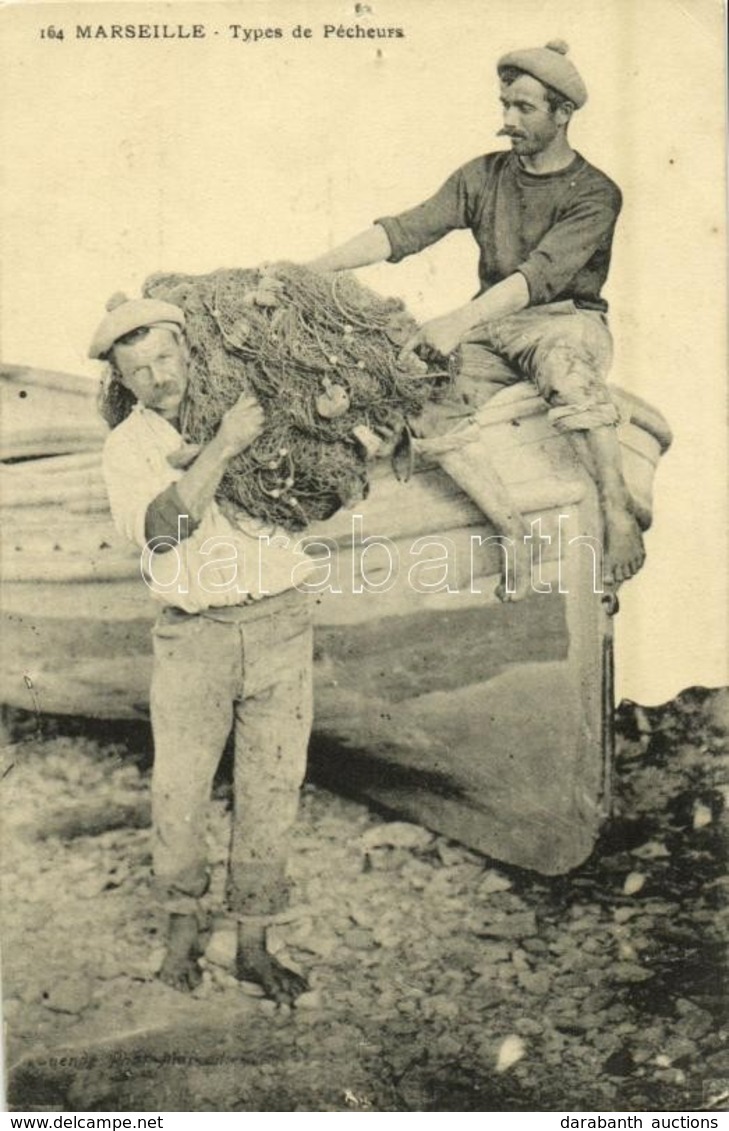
x=543 y=218
x=232 y=644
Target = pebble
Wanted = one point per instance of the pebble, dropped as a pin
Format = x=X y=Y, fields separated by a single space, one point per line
x=511 y=1050
x=587 y=1022
x=387 y=938
x=659 y=907
x=90 y=888
x=443 y=1006
x=70 y=995
x=358 y=938
x=397 y=834
x=221 y=948
x=310 y=1000
x=322 y=943
x=634 y=882
x=453 y=855
x=365 y=914
x=77 y=864
x=630 y=972
x=520 y=924
x=535 y=946
x=452 y=981
x=417 y=872
x=298 y=931
x=619 y=1063
x=702 y=815
x=538 y=983
x=493 y=882
x=617 y=1013
x=695 y=1022
x=561 y=944
x=267 y=1007
x=448 y=1047
x=250 y=989
x=676 y=1048
x=652 y=850
x=520 y=961
x=528 y=1027
x=108 y=967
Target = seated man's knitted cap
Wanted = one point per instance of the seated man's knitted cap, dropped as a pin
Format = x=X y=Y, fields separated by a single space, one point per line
x=551 y=66
x=124 y=315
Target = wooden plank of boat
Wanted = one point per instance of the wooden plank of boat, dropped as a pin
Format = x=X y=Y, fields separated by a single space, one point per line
x=46 y=413
x=487 y=722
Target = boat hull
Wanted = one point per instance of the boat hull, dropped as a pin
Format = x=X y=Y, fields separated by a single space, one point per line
x=488 y=722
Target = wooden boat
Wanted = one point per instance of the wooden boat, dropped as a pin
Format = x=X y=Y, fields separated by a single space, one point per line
x=488 y=722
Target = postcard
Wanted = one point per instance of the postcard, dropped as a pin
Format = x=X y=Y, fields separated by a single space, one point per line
x=364 y=478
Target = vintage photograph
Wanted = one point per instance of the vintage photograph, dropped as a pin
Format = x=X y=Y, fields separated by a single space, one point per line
x=363 y=606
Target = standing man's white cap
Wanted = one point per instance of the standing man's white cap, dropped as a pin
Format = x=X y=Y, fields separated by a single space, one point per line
x=124 y=315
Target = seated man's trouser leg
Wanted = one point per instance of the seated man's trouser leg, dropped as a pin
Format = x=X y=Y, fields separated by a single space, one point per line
x=207 y=675
x=564 y=350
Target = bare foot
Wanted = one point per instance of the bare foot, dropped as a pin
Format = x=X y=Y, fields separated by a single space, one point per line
x=516 y=577
x=624 y=551
x=253 y=963
x=180 y=968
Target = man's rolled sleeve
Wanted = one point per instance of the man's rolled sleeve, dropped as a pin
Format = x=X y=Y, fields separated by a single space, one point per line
x=167 y=517
x=568 y=245
x=417 y=228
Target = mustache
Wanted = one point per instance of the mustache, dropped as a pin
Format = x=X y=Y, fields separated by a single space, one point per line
x=166 y=390
x=504 y=132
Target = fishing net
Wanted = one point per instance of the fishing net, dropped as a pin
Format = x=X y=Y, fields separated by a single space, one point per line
x=320 y=353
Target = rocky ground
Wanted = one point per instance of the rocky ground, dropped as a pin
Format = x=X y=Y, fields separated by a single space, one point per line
x=440 y=981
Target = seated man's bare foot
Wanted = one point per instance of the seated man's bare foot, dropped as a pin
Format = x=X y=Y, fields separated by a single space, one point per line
x=624 y=550
x=643 y=516
x=180 y=967
x=253 y=963
x=516 y=577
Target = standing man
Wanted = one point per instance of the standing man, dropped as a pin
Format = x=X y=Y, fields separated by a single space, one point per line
x=543 y=219
x=232 y=643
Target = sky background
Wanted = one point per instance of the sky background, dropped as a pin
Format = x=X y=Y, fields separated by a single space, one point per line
x=127 y=157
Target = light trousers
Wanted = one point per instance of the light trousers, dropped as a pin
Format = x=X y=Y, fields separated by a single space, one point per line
x=248 y=670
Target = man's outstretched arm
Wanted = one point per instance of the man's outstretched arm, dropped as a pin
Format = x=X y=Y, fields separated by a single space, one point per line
x=370 y=246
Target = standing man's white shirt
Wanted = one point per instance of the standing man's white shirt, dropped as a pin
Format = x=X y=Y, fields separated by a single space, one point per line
x=219 y=564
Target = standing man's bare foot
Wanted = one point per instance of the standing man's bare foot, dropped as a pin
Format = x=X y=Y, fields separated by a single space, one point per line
x=180 y=968
x=253 y=963
x=624 y=549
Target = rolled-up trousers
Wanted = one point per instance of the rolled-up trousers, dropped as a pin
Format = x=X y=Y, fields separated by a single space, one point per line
x=248 y=670
x=563 y=349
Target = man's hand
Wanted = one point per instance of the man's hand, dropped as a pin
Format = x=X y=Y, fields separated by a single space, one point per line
x=241 y=424
x=184 y=455
x=437 y=338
